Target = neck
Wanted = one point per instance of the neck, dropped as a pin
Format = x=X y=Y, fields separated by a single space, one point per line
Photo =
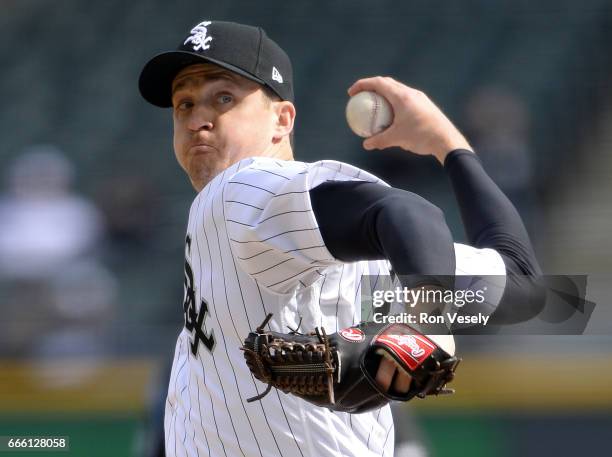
x=281 y=151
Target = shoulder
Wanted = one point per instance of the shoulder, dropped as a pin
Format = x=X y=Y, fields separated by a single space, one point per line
x=273 y=174
x=266 y=174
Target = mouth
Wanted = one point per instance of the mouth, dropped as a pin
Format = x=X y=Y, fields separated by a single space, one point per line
x=202 y=148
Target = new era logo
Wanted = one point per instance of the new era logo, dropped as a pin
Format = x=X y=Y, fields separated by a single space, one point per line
x=276 y=76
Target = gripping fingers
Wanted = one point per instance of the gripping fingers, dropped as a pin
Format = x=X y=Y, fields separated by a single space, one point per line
x=384 y=85
x=402 y=380
x=386 y=374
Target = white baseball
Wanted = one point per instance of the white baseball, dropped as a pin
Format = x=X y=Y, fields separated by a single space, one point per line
x=368 y=113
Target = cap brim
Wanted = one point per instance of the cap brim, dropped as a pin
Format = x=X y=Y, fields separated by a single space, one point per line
x=155 y=82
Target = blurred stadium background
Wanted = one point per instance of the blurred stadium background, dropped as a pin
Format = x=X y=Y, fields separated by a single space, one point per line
x=93 y=208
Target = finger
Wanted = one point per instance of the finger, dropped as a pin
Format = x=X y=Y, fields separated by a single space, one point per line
x=384 y=375
x=374 y=84
x=402 y=382
x=378 y=141
x=369 y=144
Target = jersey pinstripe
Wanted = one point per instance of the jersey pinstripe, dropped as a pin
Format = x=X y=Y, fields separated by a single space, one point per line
x=253 y=247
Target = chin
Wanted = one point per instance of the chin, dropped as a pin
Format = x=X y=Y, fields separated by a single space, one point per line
x=199 y=180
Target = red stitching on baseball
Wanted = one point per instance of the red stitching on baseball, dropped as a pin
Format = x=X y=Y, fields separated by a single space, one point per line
x=374 y=113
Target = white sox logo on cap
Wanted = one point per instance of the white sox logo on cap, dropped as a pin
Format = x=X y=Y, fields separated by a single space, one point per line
x=198 y=36
x=352 y=334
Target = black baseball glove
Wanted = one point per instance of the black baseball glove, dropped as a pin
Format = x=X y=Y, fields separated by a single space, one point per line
x=338 y=371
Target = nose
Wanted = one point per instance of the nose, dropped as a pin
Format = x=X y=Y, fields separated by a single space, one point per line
x=205 y=125
x=201 y=119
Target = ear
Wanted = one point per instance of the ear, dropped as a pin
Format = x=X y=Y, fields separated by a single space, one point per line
x=284 y=112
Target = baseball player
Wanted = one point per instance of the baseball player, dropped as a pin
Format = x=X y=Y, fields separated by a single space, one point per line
x=268 y=234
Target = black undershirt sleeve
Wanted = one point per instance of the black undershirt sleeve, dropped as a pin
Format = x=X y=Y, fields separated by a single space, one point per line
x=368 y=221
x=491 y=221
x=489 y=218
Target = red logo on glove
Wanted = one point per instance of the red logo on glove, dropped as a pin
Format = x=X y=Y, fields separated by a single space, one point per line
x=412 y=349
x=352 y=334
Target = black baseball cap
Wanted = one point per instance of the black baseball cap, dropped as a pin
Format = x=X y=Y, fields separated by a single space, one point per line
x=240 y=48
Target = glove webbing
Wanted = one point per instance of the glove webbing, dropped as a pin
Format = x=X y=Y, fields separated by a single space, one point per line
x=304 y=379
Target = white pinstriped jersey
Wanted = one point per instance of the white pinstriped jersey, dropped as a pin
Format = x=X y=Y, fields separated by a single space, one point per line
x=253 y=247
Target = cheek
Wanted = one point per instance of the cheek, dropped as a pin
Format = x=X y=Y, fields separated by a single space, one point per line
x=179 y=144
x=250 y=138
x=257 y=126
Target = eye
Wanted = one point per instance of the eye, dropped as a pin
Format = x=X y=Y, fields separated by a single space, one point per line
x=184 y=105
x=224 y=99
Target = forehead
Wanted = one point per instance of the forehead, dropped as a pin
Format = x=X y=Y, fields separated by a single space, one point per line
x=205 y=73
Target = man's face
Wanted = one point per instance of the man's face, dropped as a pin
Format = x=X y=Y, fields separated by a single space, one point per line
x=219 y=118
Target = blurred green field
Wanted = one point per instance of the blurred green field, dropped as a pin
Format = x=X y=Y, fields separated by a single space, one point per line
x=90 y=435
x=102 y=407
x=501 y=434
x=473 y=434
x=504 y=406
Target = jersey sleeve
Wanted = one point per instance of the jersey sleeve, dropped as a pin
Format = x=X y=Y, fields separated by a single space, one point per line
x=480 y=270
x=273 y=231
